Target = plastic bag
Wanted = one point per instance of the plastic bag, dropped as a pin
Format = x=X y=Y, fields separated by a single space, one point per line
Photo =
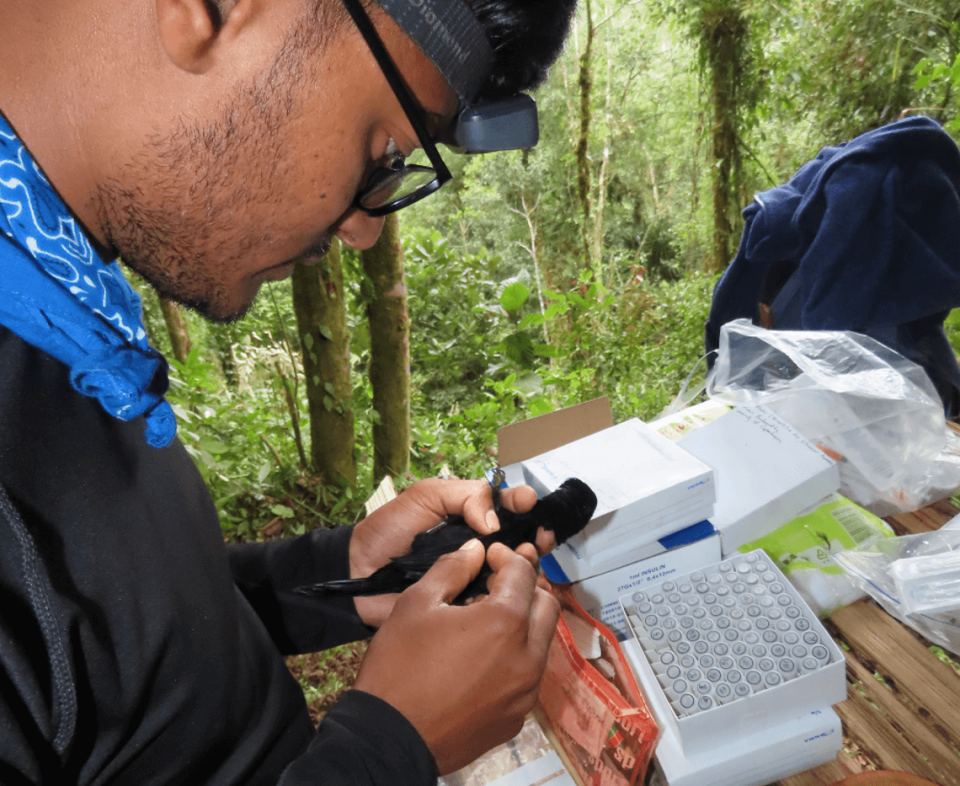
x=875 y=567
x=803 y=550
x=864 y=404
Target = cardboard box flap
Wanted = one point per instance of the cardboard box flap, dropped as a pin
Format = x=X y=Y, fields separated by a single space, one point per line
x=529 y=438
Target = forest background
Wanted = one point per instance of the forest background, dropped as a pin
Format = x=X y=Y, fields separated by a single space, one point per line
x=539 y=279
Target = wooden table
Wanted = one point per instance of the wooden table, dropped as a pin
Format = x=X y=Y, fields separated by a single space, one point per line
x=903 y=704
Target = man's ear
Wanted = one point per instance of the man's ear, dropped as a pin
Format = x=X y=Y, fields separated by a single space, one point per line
x=187 y=31
x=190 y=28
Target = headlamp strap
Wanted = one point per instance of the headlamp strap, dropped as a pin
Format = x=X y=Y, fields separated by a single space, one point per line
x=450 y=35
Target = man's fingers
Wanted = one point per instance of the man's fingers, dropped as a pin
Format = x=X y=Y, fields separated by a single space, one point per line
x=545 y=541
x=529 y=552
x=514 y=584
x=519 y=499
x=472 y=499
x=451 y=574
x=478 y=509
x=543 y=622
x=514 y=579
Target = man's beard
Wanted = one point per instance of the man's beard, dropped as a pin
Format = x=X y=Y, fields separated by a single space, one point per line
x=181 y=233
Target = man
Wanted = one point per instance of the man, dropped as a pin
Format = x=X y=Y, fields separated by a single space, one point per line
x=208 y=145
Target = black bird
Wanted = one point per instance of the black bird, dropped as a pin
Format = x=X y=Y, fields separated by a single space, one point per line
x=565 y=512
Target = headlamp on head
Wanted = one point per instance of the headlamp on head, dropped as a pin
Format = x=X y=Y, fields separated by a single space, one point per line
x=510 y=124
x=450 y=35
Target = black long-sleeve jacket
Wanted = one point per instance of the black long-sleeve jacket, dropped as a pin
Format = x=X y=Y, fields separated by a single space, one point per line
x=135 y=648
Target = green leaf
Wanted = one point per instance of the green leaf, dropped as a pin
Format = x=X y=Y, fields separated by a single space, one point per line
x=325 y=332
x=513 y=297
x=282 y=511
x=554 y=295
x=539 y=406
x=548 y=351
x=519 y=348
x=308 y=341
x=530 y=384
x=328 y=403
x=316 y=380
x=328 y=386
x=213 y=446
x=532 y=319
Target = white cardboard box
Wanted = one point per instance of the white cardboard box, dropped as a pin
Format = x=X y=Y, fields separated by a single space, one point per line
x=685 y=421
x=792 y=747
x=600 y=595
x=728 y=723
x=646 y=488
x=778 y=750
x=766 y=472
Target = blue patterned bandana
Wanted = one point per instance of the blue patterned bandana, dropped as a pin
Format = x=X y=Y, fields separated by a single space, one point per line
x=59 y=296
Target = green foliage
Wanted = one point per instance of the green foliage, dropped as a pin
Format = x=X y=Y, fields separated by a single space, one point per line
x=240 y=440
x=947 y=77
x=451 y=335
x=951 y=326
x=636 y=344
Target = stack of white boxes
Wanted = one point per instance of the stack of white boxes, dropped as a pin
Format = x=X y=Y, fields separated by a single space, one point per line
x=647 y=488
x=739 y=673
x=654 y=534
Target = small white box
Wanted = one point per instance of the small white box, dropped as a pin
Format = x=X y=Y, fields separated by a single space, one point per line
x=646 y=487
x=780 y=749
x=599 y=596
x=766 y=472
x=779 y=627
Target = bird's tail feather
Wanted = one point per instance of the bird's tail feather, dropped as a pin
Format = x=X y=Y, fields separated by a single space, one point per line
x=376 y=584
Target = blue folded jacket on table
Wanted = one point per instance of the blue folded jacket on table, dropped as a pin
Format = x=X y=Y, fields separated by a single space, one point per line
x=865 y=237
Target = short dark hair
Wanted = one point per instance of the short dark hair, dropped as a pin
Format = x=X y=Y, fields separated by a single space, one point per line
x=526 y=36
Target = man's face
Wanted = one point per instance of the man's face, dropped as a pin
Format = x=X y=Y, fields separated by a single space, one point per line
x=209 y=210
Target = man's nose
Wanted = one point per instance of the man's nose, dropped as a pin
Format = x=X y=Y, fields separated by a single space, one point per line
x=358 y=230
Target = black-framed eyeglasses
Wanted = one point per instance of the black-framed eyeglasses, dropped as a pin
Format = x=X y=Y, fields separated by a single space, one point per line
x=398 y=185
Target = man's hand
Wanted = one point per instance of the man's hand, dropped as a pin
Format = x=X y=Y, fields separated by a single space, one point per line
x=464 y=676
x=389 y=530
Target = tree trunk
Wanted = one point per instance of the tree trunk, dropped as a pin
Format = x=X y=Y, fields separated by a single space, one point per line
x=389 y=353
x=318 y=302
x=584 y=184
x=176 y=328
x=722 y=33
x=223 y=341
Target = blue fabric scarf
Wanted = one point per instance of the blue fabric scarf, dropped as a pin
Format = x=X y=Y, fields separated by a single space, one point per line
x=58 y=295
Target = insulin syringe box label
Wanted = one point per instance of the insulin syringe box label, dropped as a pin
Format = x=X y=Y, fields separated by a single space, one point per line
x=733 y=648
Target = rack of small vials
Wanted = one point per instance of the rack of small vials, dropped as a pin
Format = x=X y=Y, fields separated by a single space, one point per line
x=734 y=648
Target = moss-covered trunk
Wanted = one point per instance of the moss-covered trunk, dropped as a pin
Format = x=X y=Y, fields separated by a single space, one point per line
x=584 y=184
x=389 y=353
x=722 y=35
x=318 y=302
x=176 y=329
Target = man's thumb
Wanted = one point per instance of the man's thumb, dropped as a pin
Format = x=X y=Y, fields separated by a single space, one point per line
x=451 y=574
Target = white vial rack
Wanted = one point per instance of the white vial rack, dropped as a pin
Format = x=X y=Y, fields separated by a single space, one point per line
x=734 y=648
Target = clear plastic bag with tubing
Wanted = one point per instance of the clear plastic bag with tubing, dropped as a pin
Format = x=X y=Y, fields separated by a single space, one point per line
x=866 y=405
x=872 y=568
